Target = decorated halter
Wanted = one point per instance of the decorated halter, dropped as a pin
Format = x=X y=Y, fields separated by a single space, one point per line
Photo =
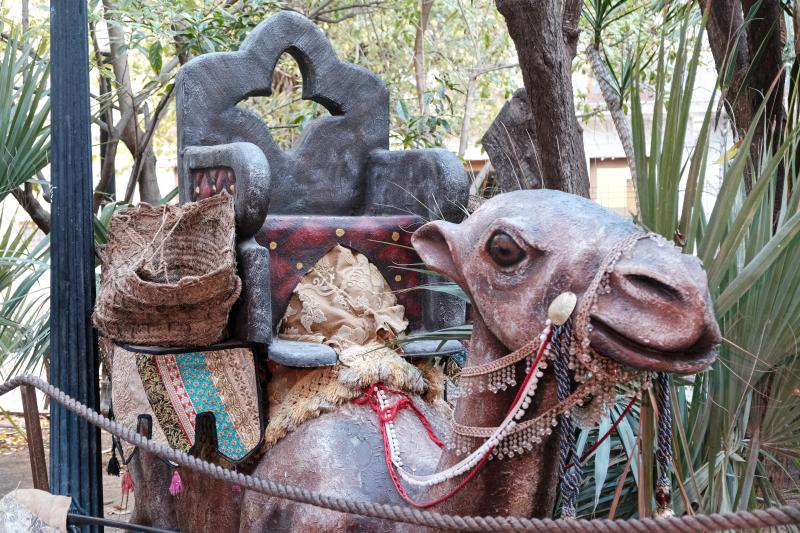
x=565 y=343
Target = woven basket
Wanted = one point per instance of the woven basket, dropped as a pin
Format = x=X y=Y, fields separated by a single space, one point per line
x=169 y=274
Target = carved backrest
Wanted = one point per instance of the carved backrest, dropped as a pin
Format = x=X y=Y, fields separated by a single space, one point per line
x=325 y=172
x=339 y=183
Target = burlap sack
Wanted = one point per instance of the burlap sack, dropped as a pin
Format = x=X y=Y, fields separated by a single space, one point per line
x=169 y=274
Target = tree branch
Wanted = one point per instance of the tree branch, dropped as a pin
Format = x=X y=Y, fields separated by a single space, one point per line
x=137 y=167
x=474 y=74
x=109 y=140
x=365 y=5
x=130 y=133
x=40 y=216
x=419 y=53
x=614 y=104
x=318 y=10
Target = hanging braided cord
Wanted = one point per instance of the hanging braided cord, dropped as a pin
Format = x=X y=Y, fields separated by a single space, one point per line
x=664 y=441
x=571 y=476
x=664 y=451
x=774 y=516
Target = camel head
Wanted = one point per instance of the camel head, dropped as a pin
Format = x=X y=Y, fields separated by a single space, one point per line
x=520 y=250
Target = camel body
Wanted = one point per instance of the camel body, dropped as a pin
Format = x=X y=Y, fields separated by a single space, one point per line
x=513 y=256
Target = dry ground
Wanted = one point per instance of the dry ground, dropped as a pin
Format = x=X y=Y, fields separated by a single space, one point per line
x=15 y=469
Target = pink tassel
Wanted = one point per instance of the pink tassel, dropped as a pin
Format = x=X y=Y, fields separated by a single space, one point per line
x=176 y=485
x=236 y=488
x=126 y=485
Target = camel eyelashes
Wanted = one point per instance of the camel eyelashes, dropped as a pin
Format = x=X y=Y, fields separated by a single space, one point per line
x=504 y=250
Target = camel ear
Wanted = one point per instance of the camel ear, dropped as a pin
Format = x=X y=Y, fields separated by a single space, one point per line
x=436 y=244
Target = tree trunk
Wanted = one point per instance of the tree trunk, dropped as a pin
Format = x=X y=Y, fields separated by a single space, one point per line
x=730 y=54
x=613 y=102
x=545 y=34
x=766 y=36
x=512 y=146
x=419 y=53
x=26 y=16
x=130 y=133
x=796 y=24
x=736 y=45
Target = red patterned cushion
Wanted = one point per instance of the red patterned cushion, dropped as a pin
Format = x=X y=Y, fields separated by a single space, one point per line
x=296 y=243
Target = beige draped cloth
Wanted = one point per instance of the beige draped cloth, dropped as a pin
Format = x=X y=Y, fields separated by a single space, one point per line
x=343 y=302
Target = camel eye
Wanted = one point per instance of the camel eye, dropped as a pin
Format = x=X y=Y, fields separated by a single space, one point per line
x=503 y=250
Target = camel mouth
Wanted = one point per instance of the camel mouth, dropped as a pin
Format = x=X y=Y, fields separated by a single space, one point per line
x=611 y=343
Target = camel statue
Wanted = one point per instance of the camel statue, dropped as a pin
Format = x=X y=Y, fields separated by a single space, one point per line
x=642 y=305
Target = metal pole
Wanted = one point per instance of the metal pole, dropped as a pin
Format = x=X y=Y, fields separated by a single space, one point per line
x=74 y=443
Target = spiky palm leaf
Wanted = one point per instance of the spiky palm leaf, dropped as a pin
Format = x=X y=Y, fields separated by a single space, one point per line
x=24 y=112
x=738 y=414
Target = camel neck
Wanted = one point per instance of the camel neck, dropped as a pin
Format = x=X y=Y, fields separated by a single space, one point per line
x=522 y=486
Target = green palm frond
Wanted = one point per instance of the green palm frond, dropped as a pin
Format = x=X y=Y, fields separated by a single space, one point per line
x=24 y=112
x=738 y=415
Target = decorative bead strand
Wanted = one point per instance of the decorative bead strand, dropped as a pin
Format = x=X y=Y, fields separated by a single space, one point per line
x=500 y=433
x=499 y=374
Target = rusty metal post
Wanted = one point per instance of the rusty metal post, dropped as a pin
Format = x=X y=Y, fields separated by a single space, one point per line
x=33 y=433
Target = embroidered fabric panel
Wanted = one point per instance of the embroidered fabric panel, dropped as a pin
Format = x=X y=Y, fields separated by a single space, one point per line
x=161 y=405
x=128 y=395
x=193 y=389
x=223 y=382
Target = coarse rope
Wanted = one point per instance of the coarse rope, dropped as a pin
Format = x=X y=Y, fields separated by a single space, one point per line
x=774 y=516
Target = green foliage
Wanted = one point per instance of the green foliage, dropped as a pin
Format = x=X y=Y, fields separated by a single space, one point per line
x=24 y=111
x=461 y=36
x=623 y=31
x=25 y=292
x=739 y=415
x=24 y=301
x=659 y=170
x=426 y=130
x=601 y=14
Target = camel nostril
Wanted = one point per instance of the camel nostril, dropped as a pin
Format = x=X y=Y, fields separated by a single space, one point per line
x=653 y=285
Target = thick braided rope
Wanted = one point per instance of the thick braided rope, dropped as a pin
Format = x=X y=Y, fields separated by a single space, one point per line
x=775 y=516
x=571 y=478
x=567 y=440
x=664 y=438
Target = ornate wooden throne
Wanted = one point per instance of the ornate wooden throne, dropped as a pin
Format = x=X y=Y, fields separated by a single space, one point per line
x=339 y=184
